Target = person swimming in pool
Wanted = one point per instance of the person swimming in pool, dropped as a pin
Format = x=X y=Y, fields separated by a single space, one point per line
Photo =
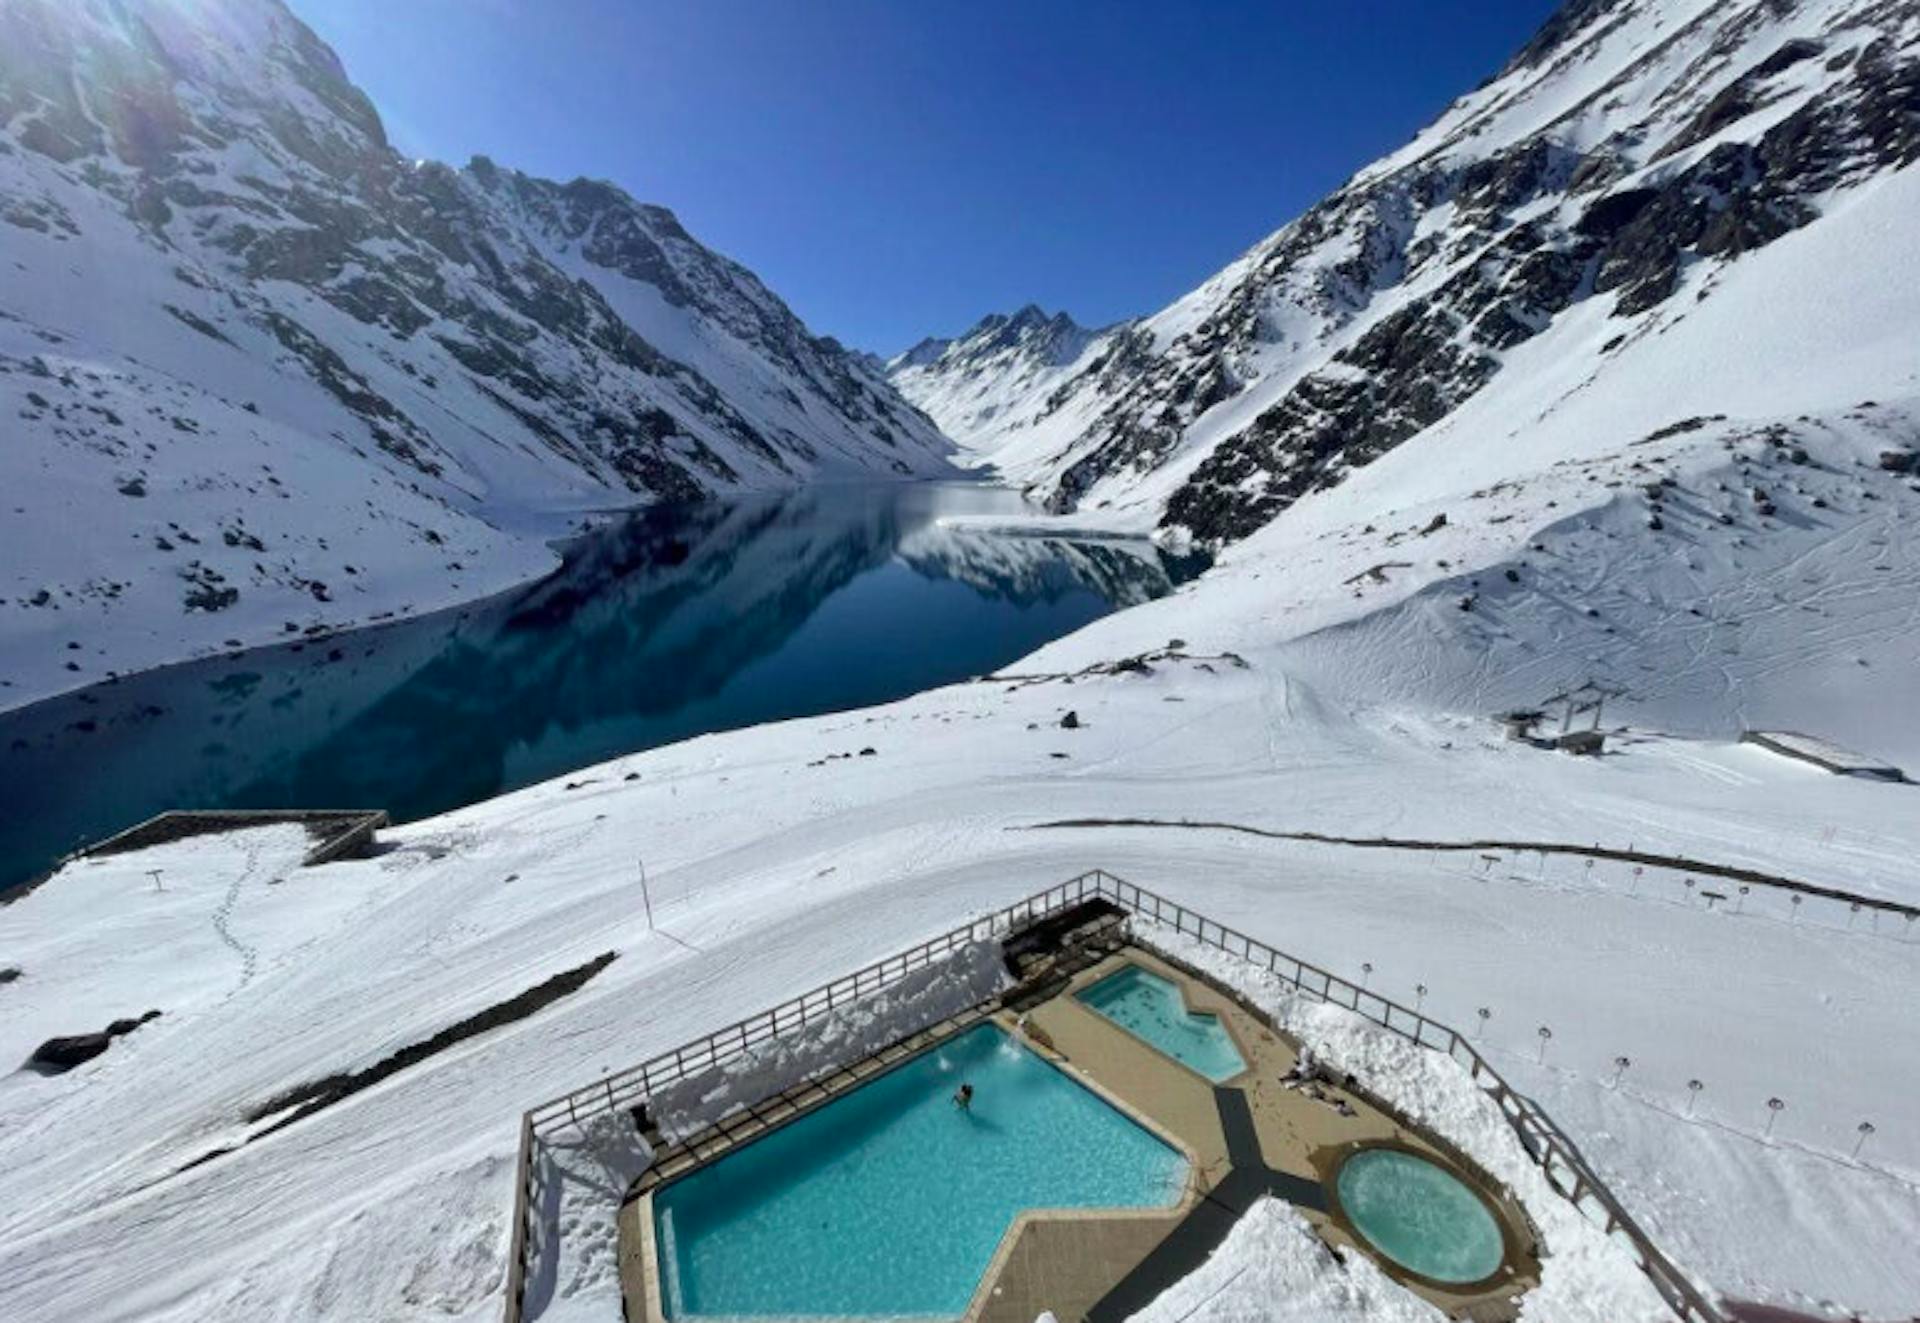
x=963 y=1097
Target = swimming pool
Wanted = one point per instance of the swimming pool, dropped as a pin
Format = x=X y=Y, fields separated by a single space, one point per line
x=890 y=1200
x=1420 y=1215
x=1150 y=1008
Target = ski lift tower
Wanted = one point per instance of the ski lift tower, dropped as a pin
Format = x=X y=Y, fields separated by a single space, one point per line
x=1580 y=710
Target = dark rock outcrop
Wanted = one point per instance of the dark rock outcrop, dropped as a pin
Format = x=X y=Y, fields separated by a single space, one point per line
x=56 y=1056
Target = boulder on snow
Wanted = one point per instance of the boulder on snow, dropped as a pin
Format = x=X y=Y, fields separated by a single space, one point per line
x=1070 y=722
x=56 y=1056
x=1898 y=460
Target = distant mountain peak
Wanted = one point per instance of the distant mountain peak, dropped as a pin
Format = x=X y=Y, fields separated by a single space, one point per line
x=1626 y=164
x=996 y=376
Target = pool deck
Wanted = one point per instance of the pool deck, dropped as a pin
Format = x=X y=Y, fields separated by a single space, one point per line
x=1245 y=1138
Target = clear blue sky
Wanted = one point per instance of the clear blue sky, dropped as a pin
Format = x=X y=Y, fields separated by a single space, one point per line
x=895 y=168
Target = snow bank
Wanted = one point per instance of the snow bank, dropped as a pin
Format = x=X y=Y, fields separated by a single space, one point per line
x=583 y=1174
x=1273 y=1269
x=582 y=1178
x=967 y=978
x=1585 y=1274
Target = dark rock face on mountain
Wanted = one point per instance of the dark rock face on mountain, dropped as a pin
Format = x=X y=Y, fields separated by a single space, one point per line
x=435 y=366
x=1622 y=157
x=264 y=171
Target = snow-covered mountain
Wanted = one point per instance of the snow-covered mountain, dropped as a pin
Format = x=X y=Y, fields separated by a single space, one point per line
x=1611 y=375
x=1597 y=193
x=989 y=386
x=293 y=381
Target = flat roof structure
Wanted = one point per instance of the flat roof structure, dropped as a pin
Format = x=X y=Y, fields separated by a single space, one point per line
x=1822 y=753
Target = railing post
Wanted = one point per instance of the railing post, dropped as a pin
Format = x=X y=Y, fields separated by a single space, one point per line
x=517 y=1253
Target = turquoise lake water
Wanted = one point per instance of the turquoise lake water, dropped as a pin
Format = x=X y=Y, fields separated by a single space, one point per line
x=1150 y=1008
x=1420 y=1216
x=670 y=623
x=890 y=1201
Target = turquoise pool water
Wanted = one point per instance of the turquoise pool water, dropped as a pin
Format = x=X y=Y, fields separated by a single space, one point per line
x=890 y=1201
x=1150 y=1007
x=1420 y=1216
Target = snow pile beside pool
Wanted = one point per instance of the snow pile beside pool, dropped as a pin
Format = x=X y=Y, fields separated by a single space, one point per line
x=582 y=1177
x=968 y=977
x=1273 y=1269
x=1586 y=1276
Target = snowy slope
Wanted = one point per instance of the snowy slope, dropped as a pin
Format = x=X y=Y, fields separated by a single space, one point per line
x=1626 y=163
x=395 y=1202
x=295 y=382
x=992 y=389
x=1362 y=711
x=1699 y=504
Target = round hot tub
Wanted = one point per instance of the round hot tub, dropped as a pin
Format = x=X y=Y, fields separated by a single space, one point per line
x=1420 y=1215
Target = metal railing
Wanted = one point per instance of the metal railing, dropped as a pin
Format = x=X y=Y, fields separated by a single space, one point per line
x=1565 y=1169
x=628 y=1088
x=1548 y=1147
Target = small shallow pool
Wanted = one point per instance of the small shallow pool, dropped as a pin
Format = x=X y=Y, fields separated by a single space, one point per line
x=890 y=1200
x=1151 y=1008
x=1420 y=1215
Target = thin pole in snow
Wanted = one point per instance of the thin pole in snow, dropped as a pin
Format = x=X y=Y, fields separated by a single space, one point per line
x=1545 y=1033
x=1775 y=1106
x=154 y=873
x=1865 y=1129
x=646 y=896
x=1693 y=1094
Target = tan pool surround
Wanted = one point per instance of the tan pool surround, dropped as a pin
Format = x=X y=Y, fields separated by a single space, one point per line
x=1067 y=1260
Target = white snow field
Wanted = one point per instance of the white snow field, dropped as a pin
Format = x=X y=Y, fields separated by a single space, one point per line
x=770 y=871
x=1362 y=710
x=1689 y=506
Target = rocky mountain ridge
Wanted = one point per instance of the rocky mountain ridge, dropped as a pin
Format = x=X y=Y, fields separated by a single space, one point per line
x=1618 y=164
x=998 y=376
x=233 y=308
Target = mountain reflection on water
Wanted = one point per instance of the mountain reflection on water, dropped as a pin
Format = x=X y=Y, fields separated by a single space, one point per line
x=667 y=624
